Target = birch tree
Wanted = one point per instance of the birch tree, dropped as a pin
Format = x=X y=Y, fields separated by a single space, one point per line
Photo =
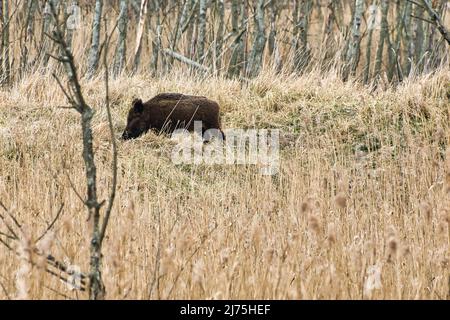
x=407 y=39
x=121 y=48
x=394 y=50
x=220 y=10
x=384 y=34
x=26 y=35
x=94 y=51
x=6 y=71
x=2 y=22
x=156 y=36
x=201 y=31
x=301 y=12
x=139 y=35
x=77 y=101
x=418 y=32
x=259 y=41
x=371 y=24
x=328 y=44
x=353 y=53
x=238 y=13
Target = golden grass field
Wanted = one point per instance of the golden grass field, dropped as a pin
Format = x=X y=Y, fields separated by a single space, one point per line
x=360 y=208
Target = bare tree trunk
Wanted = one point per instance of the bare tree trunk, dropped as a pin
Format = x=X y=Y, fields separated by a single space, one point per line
x=328 y=45
x=2 y=22
x=274 y=51
x=201 y=31
x=394 y=49
x=238 y=12
x=121 y=49
x=259 y=41
x=184 y=20
x=71 y=15
x=94 y=51
x=190 y=26
x=156 y=38
x=419 y=38
x=46 y=29
x=6 y=74
x=353 y=53
x=139 y=35
x=436 y=19
x=384 y=34
x=220 y=9
x=301 y=15
x=27 y=36
x=407 y=39
x=177 y=30
x=77 y=101
x=273 y=28
x=371 y=24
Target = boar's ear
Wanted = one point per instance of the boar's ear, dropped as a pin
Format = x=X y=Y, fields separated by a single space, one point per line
x=138 y=106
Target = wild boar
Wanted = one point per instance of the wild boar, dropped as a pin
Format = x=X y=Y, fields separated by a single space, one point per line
x=167 y=112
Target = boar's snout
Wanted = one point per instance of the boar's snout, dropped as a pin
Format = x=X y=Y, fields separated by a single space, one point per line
x=125 y=135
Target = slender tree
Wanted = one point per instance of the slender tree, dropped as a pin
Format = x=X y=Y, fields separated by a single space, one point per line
x=273 y=12
x=384 y=35
x=301 y=14
x=94 y=51
x=6 y=74
x=371 y=24
x=2 y=23
x=220 y=10
x=353 y=53
x=156 y=36
x=328 y=46
x=407 y=39
x=121 y=48
x=419 y=36
x=238 y=13
x=78 y=103
x=259 y=40
x=201 y=31
x=139 y=35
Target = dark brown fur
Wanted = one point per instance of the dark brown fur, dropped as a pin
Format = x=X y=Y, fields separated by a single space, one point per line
x=169 y=111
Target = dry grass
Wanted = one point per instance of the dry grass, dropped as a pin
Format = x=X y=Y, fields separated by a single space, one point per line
x=360 y=208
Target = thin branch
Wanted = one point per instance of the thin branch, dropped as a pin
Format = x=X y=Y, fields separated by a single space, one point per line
x=114 y=145
x=110 y=35
x=58 y=293
x=5 y=244
x=10 y=229
x=54 y=263
x=416 y=3
x=423 y=19
x=52 y=223
x=75 y=190
x=10 y=215
x=7 y=235
x=63 y=279
x=69 y=97
x=437 y=21
x=66 y=107
x=5 y=291
x=186 y=25
x=51 y=38
x=59 y=59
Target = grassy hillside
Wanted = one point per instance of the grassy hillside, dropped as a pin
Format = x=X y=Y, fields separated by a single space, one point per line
x=359 y=209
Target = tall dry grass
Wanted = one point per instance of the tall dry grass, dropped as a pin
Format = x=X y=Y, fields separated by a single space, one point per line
x=360 y=208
